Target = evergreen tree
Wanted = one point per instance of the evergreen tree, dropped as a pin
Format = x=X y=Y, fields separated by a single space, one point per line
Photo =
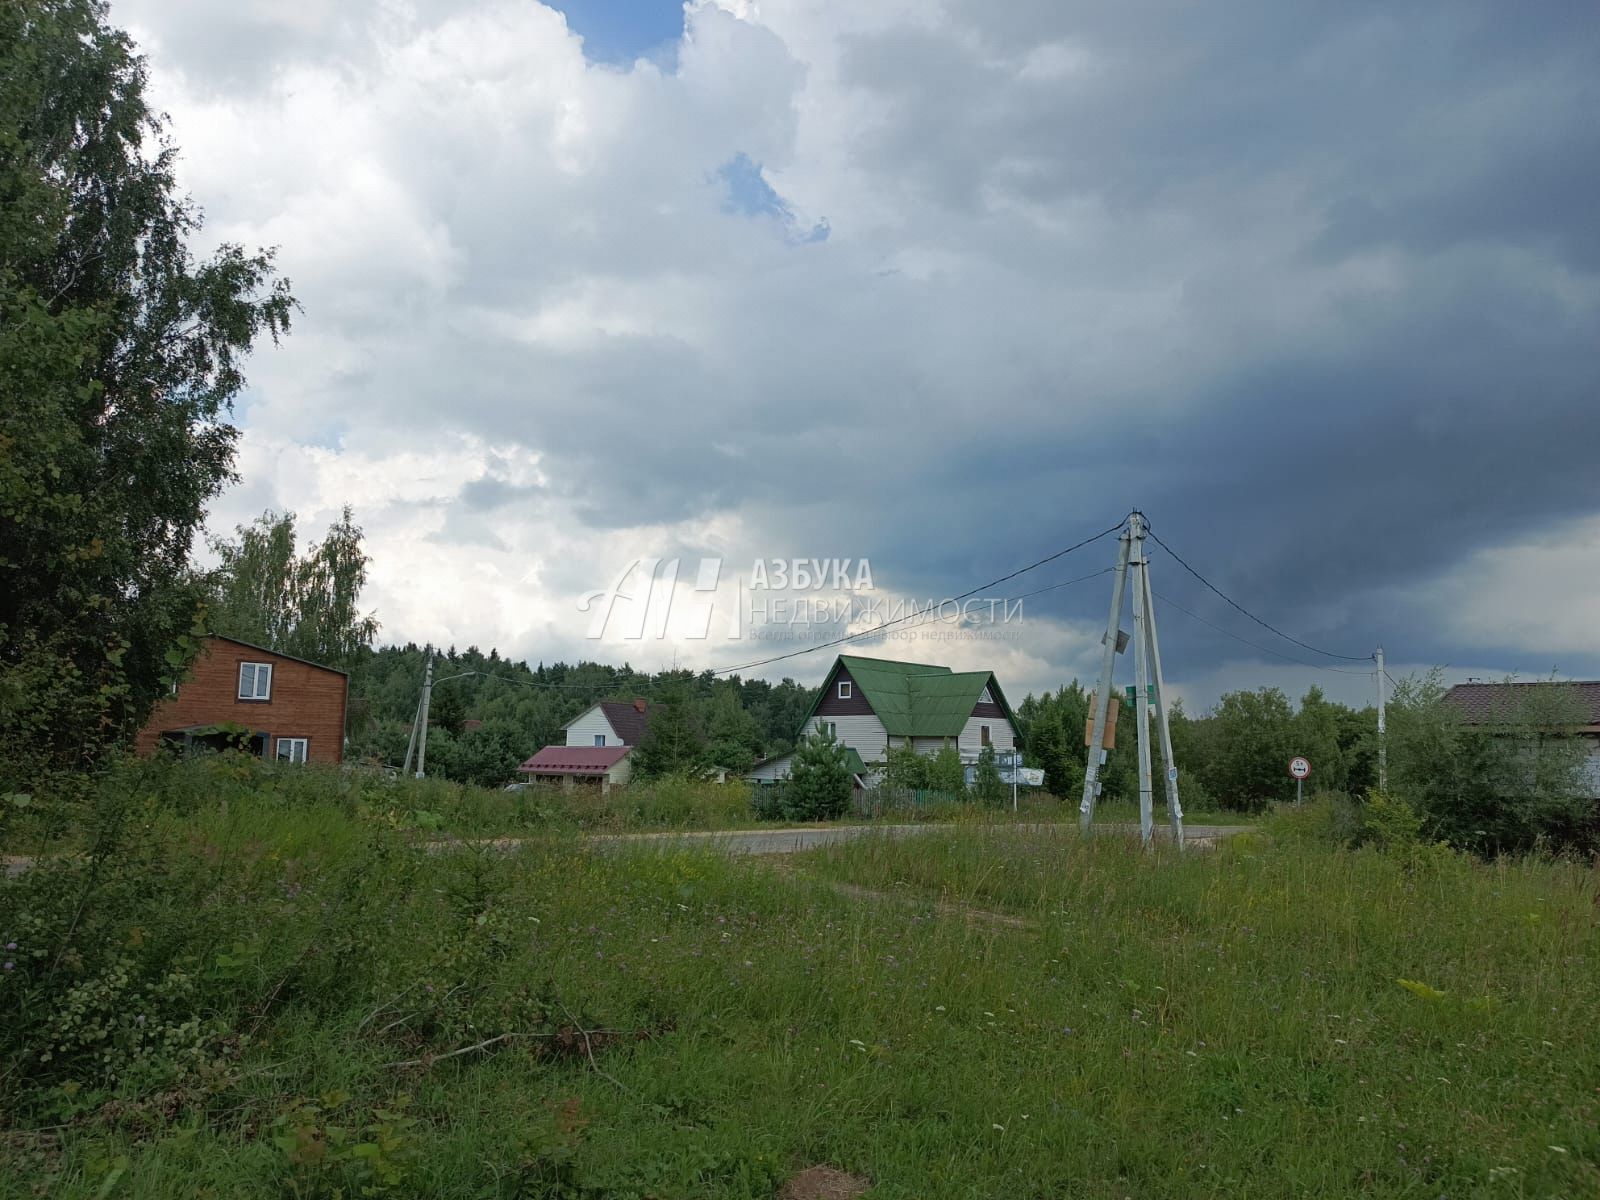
x=819 y=780
x=732 y=739
x=673 y=742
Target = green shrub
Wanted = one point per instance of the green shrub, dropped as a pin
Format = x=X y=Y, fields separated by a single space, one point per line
x=1327 y=819
x=1389 y=823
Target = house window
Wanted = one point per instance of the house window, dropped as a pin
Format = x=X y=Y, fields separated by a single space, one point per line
x=844 y=689
x=255 y=681
x=983 y=734
x=599 y=739
x=292 y=750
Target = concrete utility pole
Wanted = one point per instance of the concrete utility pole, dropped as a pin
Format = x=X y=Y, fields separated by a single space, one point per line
x=1174 y=808
x=1102 y=696
x=1383 y=729
x=411 y=744
x=1141 y=672
x=1151 y=691
x=422 y=721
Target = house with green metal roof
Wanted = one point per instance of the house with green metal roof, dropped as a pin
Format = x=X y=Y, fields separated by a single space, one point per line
x=872 y=704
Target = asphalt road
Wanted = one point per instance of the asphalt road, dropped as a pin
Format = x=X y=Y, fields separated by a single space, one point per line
x=789 y=841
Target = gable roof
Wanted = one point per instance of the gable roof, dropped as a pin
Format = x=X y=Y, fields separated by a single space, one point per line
x=852 y=760
x=222 y=637
x=1497 y=703
x=624 y=717
x=575 y=760
x=916 y=699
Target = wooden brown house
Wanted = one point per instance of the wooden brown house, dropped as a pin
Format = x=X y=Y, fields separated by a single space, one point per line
x=274 y=705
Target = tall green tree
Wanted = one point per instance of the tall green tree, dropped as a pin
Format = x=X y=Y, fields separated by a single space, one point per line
x=1250 y=742
x=1047 y=747
x=733 y=740
x=673 y=742
x=120 y=356
x=307 y=606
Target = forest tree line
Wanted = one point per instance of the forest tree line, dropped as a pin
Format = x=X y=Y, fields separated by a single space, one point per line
x=1503 y=786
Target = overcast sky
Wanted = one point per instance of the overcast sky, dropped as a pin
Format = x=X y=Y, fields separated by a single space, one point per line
x=946 y=286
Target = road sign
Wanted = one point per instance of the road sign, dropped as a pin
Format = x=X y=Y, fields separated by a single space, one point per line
x=1299 y=767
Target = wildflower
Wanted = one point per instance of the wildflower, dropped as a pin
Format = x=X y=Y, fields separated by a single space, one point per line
x=10 y=966
x=11 y=945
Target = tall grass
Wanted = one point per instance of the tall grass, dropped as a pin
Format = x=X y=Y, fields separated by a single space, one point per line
x=327 y=1009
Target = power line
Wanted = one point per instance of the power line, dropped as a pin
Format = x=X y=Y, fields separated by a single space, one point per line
x=1251 y=615
x=1257 y=645
x=881 y=626
x=1062 y=584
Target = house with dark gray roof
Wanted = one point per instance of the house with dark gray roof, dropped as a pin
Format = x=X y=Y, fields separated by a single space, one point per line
x=610 y=723
x=1506 y=704
x=873 y=704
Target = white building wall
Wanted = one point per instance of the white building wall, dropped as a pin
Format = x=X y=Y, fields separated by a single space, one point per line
x=929 y=745
x=619 y=774
x=772 y=772
x=1001 y=736
x=864 y=734
x=590 y=725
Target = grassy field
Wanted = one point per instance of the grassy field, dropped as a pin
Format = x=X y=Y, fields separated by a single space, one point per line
x=288 y=999
x=439 y=808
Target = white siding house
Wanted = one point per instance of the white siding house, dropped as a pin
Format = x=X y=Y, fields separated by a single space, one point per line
x=864 y=734
x=592 y=729
x=871 y=704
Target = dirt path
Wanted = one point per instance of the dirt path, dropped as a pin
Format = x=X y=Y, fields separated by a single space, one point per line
x=945 y=908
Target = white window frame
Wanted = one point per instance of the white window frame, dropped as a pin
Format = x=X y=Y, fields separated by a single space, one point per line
x=844 y=689
x=599 y=739
x=257 y=693
x=291 y=744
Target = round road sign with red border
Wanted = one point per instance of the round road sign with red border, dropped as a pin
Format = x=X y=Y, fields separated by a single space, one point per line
x=1299 y=767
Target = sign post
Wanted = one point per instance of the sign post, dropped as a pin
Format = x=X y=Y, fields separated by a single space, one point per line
x=1299 y=771
x=1011 y=760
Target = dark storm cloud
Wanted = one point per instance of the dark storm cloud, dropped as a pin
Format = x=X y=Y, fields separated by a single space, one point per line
x=1454 y=408
x=1315 y=285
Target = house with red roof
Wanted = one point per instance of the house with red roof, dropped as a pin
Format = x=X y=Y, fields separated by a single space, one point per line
x=600 y=741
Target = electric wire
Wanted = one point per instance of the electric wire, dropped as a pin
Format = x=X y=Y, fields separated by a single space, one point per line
x=1270 y=628
x=883 y=625
x=1171 y=603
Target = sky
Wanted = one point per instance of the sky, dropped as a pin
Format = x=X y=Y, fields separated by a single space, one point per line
x=943 y=285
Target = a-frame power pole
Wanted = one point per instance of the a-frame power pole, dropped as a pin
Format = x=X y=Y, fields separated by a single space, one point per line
x=1133 y=568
